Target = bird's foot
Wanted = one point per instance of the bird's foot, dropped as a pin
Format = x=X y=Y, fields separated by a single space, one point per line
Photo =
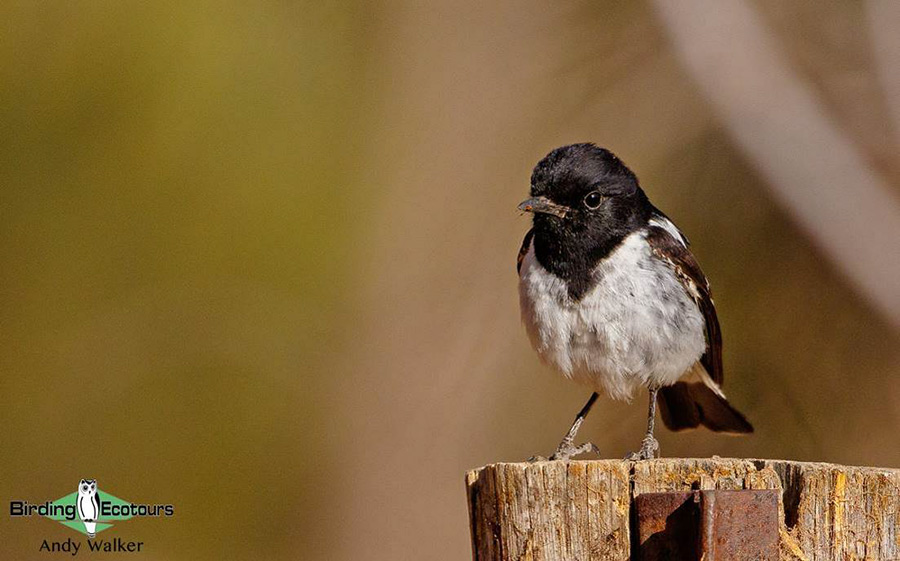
x=649 y=450
x=567 y=450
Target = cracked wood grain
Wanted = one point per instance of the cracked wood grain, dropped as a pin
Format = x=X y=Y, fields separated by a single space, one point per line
x=581 y=510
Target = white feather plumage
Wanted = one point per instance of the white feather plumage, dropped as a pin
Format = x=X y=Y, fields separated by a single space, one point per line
x=635 y=327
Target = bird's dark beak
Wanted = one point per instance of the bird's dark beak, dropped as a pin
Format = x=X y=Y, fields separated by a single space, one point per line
x=545 y=206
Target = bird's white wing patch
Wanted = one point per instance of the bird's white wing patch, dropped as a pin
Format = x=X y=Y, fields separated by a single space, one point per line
x=669 y=227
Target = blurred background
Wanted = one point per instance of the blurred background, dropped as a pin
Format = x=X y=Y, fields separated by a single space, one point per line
x=257 y=259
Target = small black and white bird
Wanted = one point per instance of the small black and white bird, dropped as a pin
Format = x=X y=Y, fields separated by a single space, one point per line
x=612 y=297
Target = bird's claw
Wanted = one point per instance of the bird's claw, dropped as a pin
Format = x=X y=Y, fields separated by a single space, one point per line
x=567 y=450
x=649 y=450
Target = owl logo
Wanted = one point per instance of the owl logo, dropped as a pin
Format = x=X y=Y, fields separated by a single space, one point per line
x=88 y=503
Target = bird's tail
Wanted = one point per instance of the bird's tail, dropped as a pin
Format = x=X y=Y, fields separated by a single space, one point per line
x=687 y=405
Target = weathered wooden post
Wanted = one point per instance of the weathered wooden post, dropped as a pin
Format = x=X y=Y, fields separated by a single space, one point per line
x=584 y=510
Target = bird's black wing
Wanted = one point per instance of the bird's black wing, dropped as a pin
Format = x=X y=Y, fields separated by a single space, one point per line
x=688 y=404
x=674 y=252
x=526 y=243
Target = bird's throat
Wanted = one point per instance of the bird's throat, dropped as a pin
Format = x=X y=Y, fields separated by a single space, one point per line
x=573 y=259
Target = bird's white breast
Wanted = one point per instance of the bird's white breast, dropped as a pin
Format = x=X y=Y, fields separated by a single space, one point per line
x=636 y=326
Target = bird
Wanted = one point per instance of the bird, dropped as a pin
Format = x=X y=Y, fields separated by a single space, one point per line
x=612 y=298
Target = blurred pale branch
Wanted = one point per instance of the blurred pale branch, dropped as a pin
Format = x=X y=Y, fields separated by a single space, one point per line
x=811 y=166
x=884 y=30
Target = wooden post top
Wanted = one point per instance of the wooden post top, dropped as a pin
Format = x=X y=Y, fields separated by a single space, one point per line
x=582 y=509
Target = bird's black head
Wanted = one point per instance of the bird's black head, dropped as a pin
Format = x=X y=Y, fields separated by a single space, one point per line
x=585 y=202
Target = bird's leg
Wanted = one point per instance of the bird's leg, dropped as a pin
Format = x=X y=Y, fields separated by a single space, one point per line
x=567 y=448
x=649 y=446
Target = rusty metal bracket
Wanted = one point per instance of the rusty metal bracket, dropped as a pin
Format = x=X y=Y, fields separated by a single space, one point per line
x=708 y=525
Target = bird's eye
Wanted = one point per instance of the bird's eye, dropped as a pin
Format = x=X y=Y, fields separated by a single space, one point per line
x=593 y=199
x=84 y=487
